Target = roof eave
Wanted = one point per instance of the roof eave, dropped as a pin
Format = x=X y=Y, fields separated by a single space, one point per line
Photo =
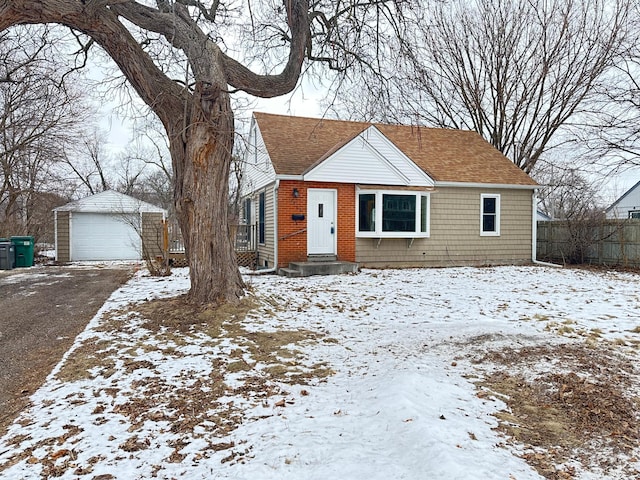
x=488 y=185
x=622 y=197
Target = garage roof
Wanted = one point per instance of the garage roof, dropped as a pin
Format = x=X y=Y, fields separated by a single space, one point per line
x=109 y=201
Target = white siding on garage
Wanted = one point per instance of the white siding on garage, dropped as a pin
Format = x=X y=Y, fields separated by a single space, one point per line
x=103 y=236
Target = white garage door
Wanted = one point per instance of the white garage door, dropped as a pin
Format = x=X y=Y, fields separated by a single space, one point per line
x=100 y=236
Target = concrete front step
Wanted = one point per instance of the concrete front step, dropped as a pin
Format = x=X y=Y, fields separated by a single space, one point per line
x=289 y=272
x=306 y=269
x=321 y=258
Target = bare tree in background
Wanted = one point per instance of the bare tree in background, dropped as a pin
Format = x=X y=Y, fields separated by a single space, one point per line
x=573 y=200
x=142 y=169
x=522 y=73
x=614 y=139
x=87 y=165
x=149 y=40
x=39 y=114
x=151 y=150
x=568 y=193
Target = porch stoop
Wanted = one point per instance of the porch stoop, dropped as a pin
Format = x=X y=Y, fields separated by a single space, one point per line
x=317 y=267
x=321 y=258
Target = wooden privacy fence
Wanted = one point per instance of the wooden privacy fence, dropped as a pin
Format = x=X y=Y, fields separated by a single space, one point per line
x=605 y=242
x=244 y=237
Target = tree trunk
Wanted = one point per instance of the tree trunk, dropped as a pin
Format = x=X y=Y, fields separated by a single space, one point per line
x=201 y=191
x=199 y=125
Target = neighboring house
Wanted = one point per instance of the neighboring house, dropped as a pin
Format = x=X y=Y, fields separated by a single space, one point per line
x=383 y=195
x=108 y=226
x=543 y=217
x=627 y=206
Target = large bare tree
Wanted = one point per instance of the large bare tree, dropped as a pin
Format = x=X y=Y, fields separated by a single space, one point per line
x=522 y=73
x=39 y=114
x=196 y=112
x=613 y=140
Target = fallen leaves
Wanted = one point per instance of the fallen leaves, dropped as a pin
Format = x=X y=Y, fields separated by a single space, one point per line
x=186 y=404
x=135 y=444
x=584 y=414
x=284 y=402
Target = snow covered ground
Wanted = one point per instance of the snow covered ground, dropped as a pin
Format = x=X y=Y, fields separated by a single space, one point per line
x=400 y=401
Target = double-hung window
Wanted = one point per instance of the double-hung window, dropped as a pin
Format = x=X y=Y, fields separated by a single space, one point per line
x=261 y=218
x=490 y=215
x=246 y=211
x=388 y=213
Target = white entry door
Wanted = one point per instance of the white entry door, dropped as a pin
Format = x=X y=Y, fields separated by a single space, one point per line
x=321 y=221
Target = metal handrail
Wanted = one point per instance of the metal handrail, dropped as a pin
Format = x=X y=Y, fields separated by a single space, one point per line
x=293 y=234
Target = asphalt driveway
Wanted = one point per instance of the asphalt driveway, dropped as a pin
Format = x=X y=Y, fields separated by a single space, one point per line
x=42 y=309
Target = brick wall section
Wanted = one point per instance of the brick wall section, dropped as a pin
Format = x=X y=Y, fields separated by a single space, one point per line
x=292 y=246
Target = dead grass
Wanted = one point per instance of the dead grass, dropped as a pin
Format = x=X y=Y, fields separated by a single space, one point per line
x=178 y=315
x=91 y=356
x=583 y=410
x=272 y=353
x=267 y=363
x=567 y=404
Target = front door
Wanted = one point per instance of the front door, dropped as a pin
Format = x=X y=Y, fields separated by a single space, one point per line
x=321 y=221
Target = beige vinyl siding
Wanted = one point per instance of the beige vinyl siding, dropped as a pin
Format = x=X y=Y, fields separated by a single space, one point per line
x=266 y=251
x=455 y=233
x=62 y=237
x=152 y=234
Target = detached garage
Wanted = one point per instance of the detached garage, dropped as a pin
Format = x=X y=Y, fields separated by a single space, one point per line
x=108 y=226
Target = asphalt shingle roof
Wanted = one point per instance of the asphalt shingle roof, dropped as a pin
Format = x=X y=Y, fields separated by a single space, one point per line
x=296 y=143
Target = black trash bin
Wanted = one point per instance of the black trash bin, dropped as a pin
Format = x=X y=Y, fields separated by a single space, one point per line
x=7 y=256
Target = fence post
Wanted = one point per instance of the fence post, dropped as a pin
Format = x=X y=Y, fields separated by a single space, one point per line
x=165 y=236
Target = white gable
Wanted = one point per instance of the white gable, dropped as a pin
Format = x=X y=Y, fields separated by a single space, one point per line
x=257 y=168
x=370 y=158
x=109 y=201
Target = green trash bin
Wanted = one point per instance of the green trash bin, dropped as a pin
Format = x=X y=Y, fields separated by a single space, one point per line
x=24 y=247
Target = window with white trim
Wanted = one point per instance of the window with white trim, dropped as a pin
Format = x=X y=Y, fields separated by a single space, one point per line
x=490 y=215
x=634 y=214
x=392 y=213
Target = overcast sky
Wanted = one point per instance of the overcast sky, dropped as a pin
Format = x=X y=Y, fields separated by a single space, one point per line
x=306 y=102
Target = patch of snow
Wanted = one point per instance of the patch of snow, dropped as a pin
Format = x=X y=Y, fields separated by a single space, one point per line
x=401 y=404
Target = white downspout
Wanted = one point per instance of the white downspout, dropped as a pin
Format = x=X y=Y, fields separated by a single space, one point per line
x=534 y=233
x=275 y=224
x=534 y=225
x=70 y=236
x=141 y=236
